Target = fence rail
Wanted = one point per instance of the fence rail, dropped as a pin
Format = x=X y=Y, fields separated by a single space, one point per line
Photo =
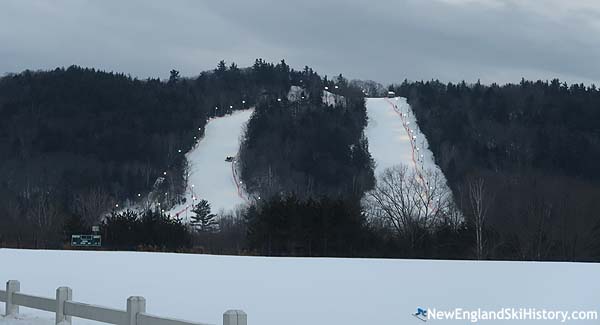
x=97 y=313
x=65 y=308
x=35 y=302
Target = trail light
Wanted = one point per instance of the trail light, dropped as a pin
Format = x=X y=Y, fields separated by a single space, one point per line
x=326 y=88
x=116 y=205
x=278 y=99
x=230 y=106
x=336 y=87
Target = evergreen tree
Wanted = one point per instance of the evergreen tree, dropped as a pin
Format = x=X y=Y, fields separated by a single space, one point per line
x=204 y=221
x=174 y=76
x=221 y=67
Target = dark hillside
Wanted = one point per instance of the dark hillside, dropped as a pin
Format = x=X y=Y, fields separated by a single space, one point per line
x=307 y=148
x=535 y=146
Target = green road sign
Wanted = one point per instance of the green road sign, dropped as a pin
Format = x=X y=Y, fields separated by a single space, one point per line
x=86 y=240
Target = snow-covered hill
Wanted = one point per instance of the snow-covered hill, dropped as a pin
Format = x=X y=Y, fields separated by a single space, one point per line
x=211 y=177
x=299 y=291
x=394 y=136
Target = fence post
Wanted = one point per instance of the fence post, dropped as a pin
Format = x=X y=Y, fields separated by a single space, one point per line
x=235 y=317
x=63 y=294
x=135 y=305
x=12 y=286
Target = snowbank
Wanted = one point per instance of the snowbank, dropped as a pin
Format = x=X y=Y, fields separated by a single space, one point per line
x=298 y=291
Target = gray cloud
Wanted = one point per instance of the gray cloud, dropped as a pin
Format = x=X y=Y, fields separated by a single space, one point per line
x=387 y=40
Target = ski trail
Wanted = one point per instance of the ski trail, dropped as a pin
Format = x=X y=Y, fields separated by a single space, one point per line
x=394 y=137
x=210 y=176
x=412 y=137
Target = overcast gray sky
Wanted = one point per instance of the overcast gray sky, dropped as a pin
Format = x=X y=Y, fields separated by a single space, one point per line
x=387 y=41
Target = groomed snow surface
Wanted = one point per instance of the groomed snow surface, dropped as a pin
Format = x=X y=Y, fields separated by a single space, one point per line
x=211 y=177
x=391 y=127
x=298 y=291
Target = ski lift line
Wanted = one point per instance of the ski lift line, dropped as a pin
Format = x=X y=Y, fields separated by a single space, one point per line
x=412 y=145
x=237 y=182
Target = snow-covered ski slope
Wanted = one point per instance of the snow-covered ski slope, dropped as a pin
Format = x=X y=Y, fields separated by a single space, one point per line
x=390 y=130
x=394 y=136
x=211 y=177
x=299 y=291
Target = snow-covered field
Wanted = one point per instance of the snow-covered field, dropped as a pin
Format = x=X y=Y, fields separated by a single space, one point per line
x=391 y=127
x=298 y=291
x=211 y=177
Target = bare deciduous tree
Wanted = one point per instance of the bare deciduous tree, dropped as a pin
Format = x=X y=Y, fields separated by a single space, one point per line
x=91 y=204
x=408 y=202
x=43 y=216
x=479 y=202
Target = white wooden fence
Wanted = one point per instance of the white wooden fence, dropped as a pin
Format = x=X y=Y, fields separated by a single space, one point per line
x=65 y=308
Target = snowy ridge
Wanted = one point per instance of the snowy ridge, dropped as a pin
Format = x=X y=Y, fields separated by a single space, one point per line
x=299 y=290
x=210 y=176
